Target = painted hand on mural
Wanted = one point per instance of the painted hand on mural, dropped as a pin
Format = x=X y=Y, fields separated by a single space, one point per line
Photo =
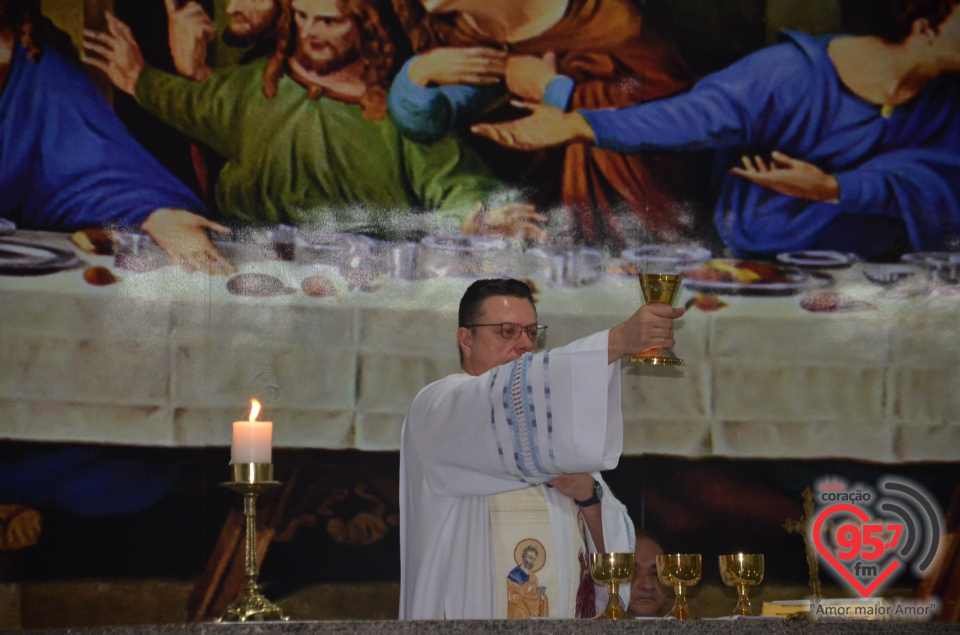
x=528 y=75
x=513 y=220
x=190 y=30
x=546 y=127
x=789 y=176
x=116 y=53
x=444 y=66
x=183 y=236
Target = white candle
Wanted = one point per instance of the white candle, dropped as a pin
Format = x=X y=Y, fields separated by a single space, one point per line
x=252 y=440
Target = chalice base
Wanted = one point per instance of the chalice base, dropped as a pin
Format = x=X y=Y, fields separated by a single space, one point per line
x=614 y=609
x=659 y=357
x=743 y=607
x=681 y=610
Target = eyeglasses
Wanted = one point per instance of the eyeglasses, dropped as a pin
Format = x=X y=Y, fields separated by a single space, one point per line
x=511 y=330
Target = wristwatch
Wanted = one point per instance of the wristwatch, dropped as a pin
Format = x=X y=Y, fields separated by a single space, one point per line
x=595 y=499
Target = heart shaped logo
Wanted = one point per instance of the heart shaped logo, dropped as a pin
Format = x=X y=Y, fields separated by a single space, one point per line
x=864 y=591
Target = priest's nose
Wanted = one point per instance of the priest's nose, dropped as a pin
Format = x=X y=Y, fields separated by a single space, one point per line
x=525 y=343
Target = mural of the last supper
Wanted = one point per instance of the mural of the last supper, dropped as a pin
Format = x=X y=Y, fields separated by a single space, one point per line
x=209 y=204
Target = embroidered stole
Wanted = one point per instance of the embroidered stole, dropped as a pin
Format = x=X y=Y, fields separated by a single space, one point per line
x=525 y=563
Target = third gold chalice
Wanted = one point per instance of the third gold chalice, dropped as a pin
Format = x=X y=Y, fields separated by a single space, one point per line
x=742 y=570
x=612 y=569
x=680 y=570
x=663 y=288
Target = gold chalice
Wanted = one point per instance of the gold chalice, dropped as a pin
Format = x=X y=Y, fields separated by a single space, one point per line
x=663 y=288
x=742 y=570
x=680 y=570
x=612 y=569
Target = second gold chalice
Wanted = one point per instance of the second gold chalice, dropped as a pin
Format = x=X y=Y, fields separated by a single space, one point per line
x=612 y=569
x=663 y=288
x=680 y=570
x=742 y=570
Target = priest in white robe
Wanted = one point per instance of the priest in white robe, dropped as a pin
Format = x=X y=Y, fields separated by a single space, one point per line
x=495 y=460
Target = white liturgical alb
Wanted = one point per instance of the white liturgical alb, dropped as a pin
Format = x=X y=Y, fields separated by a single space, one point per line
x=467 y=438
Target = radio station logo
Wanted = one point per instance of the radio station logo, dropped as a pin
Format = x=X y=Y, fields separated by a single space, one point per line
x=868 y=537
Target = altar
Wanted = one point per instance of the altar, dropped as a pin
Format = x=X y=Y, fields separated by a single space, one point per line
x=525 y=627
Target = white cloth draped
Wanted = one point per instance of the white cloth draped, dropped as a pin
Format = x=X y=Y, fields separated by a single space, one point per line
x=518 y=425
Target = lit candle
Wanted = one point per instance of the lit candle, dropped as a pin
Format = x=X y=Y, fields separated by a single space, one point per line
x=252 y=439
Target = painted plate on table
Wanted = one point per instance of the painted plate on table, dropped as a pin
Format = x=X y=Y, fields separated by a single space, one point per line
x=818 y=259
x=747 y=277
x=22 y=258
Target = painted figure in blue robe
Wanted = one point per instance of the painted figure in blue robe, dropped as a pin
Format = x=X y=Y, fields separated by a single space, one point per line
x=68 y=162
x=834 y=142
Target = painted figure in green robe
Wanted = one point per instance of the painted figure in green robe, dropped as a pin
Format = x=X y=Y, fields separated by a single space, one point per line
x=305 y=134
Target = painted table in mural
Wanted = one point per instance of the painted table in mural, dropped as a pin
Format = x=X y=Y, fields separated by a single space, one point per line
x=165 y=358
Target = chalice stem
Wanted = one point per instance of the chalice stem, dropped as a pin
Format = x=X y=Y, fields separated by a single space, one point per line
x=681 y=610
x=614 y=609
x=743 y=605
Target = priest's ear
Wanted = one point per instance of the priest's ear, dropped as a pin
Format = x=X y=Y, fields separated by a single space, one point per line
x=465 y=340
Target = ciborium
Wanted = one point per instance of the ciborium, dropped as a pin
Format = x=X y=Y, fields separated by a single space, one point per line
x=680 y=570
x=250 y=480
x=612 y=569
x=663 y=288
x=742 y=570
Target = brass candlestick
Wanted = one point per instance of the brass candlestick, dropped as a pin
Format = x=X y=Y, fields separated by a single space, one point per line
x=251 y=479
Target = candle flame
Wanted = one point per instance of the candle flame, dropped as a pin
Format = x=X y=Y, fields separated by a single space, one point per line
x=254 y=410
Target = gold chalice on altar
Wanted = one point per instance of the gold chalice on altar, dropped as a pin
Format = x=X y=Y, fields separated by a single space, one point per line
x=612 y=569
x=680 y=570
x=664 y=288
x=742 y=570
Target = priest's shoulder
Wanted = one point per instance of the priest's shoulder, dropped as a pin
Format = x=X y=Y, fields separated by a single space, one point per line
x=439 y=388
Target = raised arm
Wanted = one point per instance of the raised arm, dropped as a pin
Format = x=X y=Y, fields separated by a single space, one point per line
x=724 y=110
x=520 y=424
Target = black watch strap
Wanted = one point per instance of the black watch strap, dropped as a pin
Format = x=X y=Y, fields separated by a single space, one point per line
x=595 y=499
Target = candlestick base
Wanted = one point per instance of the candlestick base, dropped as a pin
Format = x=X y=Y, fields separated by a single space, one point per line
x=250 y=479
x=253 y=607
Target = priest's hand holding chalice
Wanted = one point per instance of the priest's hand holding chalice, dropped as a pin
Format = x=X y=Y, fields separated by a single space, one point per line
x=659 y=288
